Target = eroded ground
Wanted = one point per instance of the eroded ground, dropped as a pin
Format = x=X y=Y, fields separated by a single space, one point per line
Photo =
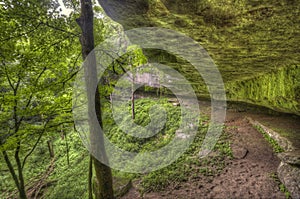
x=250 y=174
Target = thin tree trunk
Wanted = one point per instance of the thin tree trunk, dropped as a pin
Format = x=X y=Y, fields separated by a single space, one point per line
x=90 y=187
x=50 y=148
x=132 y=97
x=103 y=172
x=67 y=149
x=20 y=173
x=11 y=170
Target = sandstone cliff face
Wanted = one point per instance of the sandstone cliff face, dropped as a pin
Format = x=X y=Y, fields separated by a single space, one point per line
x=119 y=10
x=255 y=44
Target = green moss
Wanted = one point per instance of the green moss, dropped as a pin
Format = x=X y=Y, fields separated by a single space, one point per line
x=277 y=90
x=281 y=186
x=253 y=43
x=276 y=147
x=118 y=136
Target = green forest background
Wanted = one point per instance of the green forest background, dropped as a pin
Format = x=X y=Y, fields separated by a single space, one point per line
x=255 y=45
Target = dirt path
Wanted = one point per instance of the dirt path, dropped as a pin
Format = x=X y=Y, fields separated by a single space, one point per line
x=248 y=175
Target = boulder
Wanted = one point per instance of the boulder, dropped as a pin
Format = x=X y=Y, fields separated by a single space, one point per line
x=289 y=175
x=291 y=157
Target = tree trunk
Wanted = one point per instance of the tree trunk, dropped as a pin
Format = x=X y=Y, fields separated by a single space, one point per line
x=50 y=148
x=90 y=178
x=22 y=190
x=132 y=97
x=13 y=173
x=67 y=149
x=103 y=172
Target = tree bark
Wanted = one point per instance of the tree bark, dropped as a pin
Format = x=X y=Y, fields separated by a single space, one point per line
x=90 y=178
x=12 y=171
x=103 y=172
x=132 y=96
x=50 y=148
x=67 y=149
x=22 y=190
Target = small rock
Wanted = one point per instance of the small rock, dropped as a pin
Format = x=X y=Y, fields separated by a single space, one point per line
x=180 y=134
x=239 y=152
x=291 y=157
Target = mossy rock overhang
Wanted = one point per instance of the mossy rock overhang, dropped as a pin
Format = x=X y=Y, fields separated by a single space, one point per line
x=247 y=39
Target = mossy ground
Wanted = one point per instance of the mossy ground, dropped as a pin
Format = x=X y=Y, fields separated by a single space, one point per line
x=70 y=179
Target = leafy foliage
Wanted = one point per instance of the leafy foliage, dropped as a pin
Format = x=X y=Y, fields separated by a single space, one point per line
x=37 y=63
x=38 y=59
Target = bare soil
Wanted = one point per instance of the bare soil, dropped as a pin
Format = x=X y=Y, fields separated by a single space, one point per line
x=247 y=175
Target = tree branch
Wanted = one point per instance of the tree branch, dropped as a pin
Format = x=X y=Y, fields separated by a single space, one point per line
x=59 y=29
x=35 y=145
x=22 y=34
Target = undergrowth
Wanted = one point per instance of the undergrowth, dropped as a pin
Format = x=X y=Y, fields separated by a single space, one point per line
x=69 y=179
x=188 y=165
x=276 y=147
x=281 y=186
